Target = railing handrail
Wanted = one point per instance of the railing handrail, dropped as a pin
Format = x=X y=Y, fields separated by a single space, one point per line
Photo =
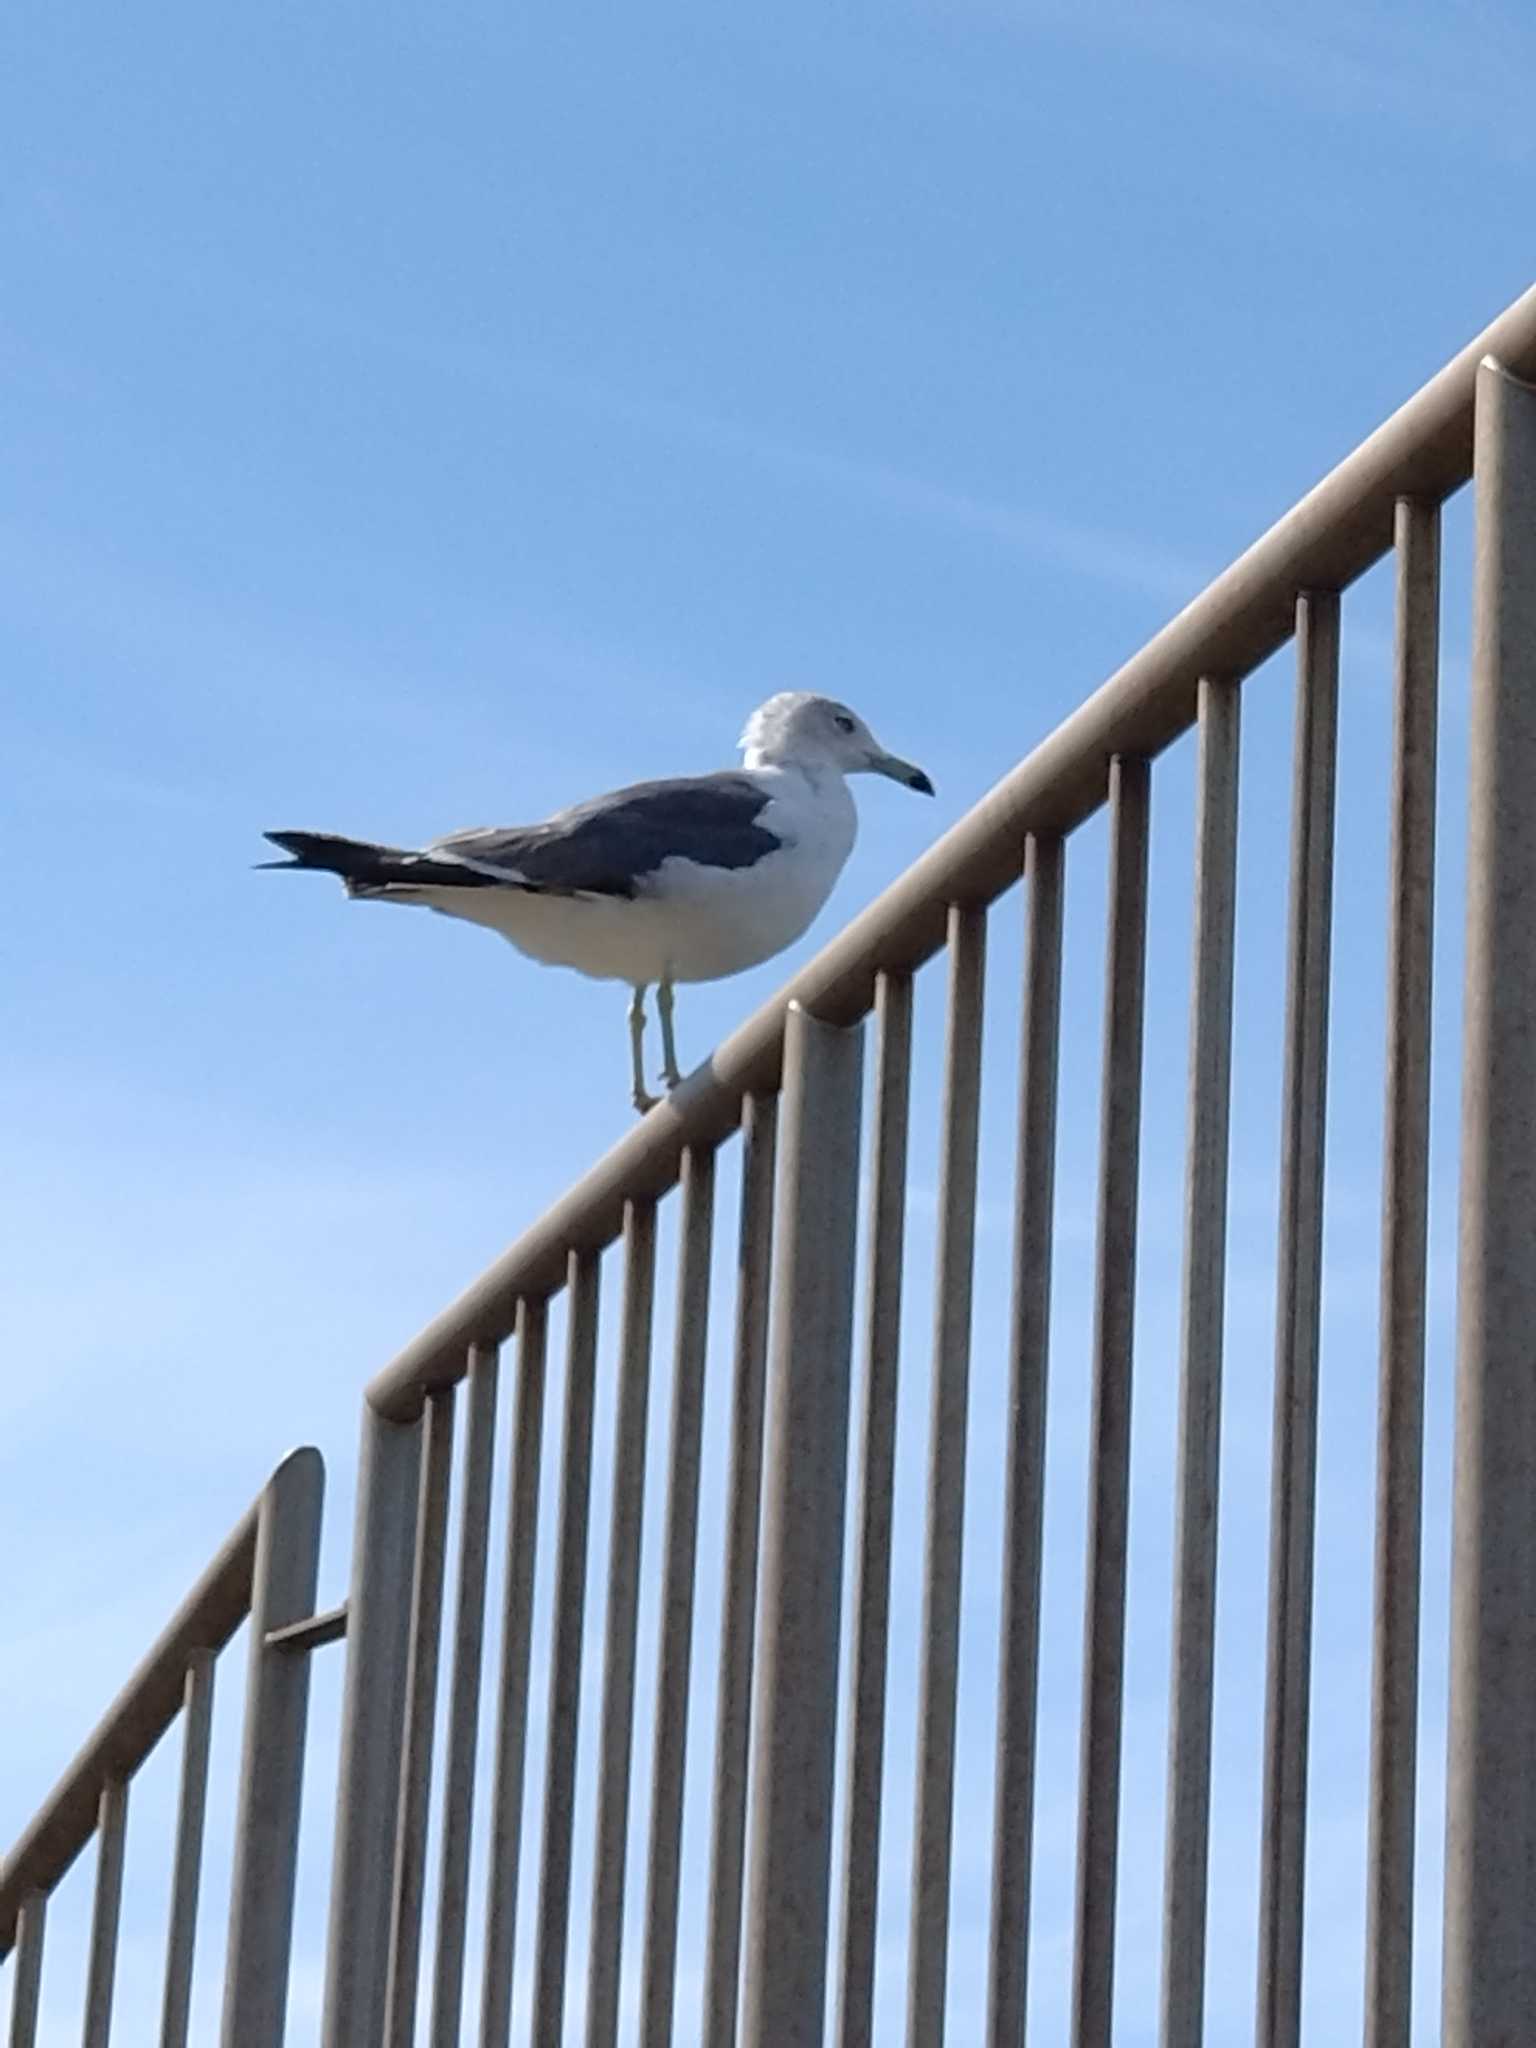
x=137 y=1718
x=1330 y=537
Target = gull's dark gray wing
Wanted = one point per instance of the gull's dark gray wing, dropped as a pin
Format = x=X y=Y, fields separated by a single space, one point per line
x=610 y=845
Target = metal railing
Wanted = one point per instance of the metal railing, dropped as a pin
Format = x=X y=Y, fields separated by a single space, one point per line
x=792 y=1897
x=792 y=1075
x=264 y=1572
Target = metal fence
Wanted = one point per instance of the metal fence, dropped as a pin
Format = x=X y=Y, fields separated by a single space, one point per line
x=455 y=1902
x=265 y=1573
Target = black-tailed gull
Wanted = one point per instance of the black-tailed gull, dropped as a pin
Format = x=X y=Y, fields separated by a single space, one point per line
x=685 y=880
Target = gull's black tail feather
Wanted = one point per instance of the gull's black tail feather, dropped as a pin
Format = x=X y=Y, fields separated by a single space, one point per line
x=359 y=862
x=367 y=868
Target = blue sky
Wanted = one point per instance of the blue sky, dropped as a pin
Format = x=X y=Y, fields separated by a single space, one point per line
x=416 y=420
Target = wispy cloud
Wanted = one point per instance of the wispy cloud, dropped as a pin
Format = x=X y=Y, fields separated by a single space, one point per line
x=1099 y=554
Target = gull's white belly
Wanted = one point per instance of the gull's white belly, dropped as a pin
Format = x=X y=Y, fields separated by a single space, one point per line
x=691 y=923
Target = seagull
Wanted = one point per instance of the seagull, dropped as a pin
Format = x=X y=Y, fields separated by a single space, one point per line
x=691 y=879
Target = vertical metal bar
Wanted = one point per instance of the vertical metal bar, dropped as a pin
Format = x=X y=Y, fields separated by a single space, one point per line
x=815 y=1232
x=1293 y=1509
x=1404 y=1253
x=373 y=1709
x=865 y=1755
x=1490 y=1881
x=27 y=1992
x=727 y=1853
x=1019 y=1658
x=272 y=1757
x=1187 y=1858
x=1110 y=1439
x=187 y=1868
x=565 y=1655
x=512 y=1684
x=420 y=1720
x=674 y=1662
x=928 y=1951
x=111 y=1833
x=625 y=1529
x=464 y=1699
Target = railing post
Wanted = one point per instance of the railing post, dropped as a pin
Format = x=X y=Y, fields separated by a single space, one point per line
x=795 y=1718
x=373 y=1707
x=272 y=1757
x=1490 y=1878
x=27 y=1980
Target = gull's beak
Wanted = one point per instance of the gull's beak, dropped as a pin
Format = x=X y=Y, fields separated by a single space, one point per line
x=900 y=771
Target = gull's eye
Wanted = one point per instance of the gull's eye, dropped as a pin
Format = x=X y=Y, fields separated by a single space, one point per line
x=843 y=722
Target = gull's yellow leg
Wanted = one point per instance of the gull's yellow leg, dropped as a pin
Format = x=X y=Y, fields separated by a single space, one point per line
x=669 y=1067
x=641 y=1099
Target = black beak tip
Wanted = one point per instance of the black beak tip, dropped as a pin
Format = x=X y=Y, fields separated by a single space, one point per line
x=920 y=783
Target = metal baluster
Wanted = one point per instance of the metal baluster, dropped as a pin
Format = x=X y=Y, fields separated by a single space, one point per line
x=565 y=1655
x=187 y=1869
x=865 y=1755
x=626 y=1523
x=1187 y=1861
x=1490 y=1871
x=1293 y=1513
x=420 y=1721
x=1019 y=1661
x=928 y=1952
x=464 y=1699
x=1113 y=1336
x=674 y=1662
x=106 y=1913
x=512 y=1684
x=805 y=1476
x=727 y=1857
x=1404 y=1258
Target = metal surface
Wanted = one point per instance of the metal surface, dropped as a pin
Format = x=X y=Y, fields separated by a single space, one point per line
x=727 y=1849
x=1110 y=1431
x=26 y=1990
x=272 y=1758
x=1490 y=1880
x=311 y=1632
x=864 y=1763
x=106 y=1913
x=464 y=1702
x=1205 y=1271
x=565 y=1656
x=1335 y=533
x=928 y=1940
x=1019 y=1655
x=428 y=1569
x=678 y=1557
x=373 y=1712
x=131 y=1726
x=626 y=1520
x=674 y=1663
x=1404 y=1252
x=187 y=1868
x=512 y=1685
x=766 y=1969
x=784 y=1988
x=1282 y=1872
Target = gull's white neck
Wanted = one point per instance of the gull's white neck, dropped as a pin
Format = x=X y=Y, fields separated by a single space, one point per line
x=818 y=770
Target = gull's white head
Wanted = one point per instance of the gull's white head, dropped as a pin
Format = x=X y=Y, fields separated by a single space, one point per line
x=799 y=729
